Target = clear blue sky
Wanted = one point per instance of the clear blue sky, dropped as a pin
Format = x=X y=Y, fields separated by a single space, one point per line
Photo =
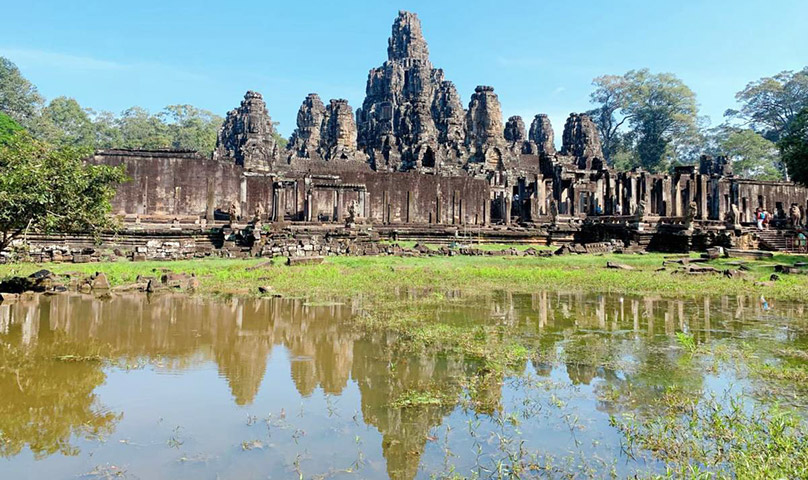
x=540 y=56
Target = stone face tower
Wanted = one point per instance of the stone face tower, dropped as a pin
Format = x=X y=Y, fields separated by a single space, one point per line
x=581 y=141
x=247 y=136
x=409 y=109
x=305 y=140
x=541 y=136
x=486 y=138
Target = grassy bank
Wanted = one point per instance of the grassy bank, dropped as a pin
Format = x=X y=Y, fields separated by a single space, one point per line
x=387 y=274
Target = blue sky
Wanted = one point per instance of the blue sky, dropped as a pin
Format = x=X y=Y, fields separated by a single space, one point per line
x=540 y=56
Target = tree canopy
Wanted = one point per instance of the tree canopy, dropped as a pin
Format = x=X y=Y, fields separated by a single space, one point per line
x=770 y=104
x=8 y=128
x=660 y=111
x=50 y=189
x=64 y=122
x=19 y=98
x=752 y=155
x=794 y=147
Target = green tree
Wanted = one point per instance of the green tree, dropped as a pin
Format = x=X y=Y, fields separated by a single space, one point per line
x=660 y=111
x=19 y=98
x=8 y=128
x=794 y=147
x=770 y=104
x=46 y=189
x=191 y=128
x=752 y=155
x=140 y=129
x=609 y=94
x=64 y=123
x=107 y=132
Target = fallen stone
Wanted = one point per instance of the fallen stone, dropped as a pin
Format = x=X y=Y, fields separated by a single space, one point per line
x=259 y=266
x=713 y=253
x=788 y=269
x=100 y=282
x=153 y=285
x=730 y=273
x=293 y=261
x=618 y=266
x=175 y=280
x=736 y=252
x=265 y=289
x=132 y=287
x=774 y=277
x=41 y=274
x=701 y=269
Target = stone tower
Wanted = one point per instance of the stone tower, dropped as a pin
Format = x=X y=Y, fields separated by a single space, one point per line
x=247 y=136
x=411 y=116
x=581 y=141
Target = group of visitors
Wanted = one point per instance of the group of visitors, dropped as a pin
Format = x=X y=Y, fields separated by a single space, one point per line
x=762 y=218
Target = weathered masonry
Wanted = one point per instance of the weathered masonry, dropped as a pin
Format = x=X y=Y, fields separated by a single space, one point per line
x=414 y=155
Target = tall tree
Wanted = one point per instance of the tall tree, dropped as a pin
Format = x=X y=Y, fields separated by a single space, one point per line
x=140 y=129
x=752 y=155
x=191 y=128
x=770 y=104
x=64 y=123
x=660 y=111
x=609 y=94
x=794 y=147
x=46 y=189
x=19 y=98
x=107 y=131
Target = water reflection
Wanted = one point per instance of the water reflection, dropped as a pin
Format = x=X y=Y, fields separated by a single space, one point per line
x=58 y=350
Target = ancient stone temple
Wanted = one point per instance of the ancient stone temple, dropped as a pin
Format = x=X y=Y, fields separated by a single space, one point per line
x=413 y=159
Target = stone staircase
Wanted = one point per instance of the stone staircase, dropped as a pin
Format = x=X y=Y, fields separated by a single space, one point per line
x=778 y=240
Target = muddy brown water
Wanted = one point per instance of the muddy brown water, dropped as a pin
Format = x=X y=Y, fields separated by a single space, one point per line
x=177 y=386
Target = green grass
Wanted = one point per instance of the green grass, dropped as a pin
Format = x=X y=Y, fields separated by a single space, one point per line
x=346 y=276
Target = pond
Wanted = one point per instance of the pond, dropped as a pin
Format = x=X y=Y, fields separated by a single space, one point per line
x=174 y=386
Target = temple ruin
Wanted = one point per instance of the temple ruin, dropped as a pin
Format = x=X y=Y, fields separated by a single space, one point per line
x=413 y=162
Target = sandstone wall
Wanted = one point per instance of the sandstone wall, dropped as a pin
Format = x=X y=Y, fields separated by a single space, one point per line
x=172 y=183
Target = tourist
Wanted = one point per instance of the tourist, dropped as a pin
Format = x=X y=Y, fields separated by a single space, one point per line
x=802 y=241
x=759 y=217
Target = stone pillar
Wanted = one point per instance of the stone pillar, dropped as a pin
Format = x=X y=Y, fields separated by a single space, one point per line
x=666 y=196
x=702 y=200
x=676 y=211
x=633 y=197
x=210 y=201
x=243 y=198
x=541 y=194
x=719 y=197
x=339 y=205
x=506 y=201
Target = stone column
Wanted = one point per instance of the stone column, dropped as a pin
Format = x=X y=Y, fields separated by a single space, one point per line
x=666 y=196
x=702 y=200
x=676 y=211
x=339 y=205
